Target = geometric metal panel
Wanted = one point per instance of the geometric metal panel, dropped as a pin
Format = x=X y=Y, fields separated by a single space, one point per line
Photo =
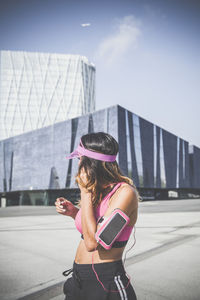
x=157 y=157
x=122 y=156
x=163 y=163
x=133 y=162
x=186 y=173
x=74 y=127
x=181 y=165
x=195 y=166
x=146 y=131
x=54 y=179
x=138 y=150
x=170 y=158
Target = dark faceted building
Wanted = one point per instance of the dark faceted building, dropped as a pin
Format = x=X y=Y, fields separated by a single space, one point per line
x=33 y=168
x=194 y=157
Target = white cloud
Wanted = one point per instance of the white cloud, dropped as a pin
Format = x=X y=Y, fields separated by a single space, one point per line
x=116 y=45
x=85 y=24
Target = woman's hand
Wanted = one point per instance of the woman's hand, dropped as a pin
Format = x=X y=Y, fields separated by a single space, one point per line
x=65 y=207
x=84 y=179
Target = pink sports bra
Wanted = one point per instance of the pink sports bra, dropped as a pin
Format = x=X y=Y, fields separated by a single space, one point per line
x=122 y=240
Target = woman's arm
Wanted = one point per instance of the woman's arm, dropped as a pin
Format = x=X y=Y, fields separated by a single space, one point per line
x=88 y=221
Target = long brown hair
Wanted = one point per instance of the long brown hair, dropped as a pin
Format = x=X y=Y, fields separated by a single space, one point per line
x=100 y=173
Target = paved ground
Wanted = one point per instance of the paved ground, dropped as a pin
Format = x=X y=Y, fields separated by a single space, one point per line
x=37 y=244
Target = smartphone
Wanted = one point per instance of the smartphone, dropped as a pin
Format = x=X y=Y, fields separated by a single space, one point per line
x=111 y=228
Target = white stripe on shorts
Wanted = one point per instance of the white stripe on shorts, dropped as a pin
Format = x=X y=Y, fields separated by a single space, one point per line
x=122 y=287
x=119 y=288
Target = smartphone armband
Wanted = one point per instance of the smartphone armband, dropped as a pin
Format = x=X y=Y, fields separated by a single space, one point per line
x=111 y=228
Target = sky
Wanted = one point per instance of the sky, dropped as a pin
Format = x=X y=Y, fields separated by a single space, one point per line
x=146 y=52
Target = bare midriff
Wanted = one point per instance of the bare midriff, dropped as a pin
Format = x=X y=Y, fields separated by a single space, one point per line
x=99 y=256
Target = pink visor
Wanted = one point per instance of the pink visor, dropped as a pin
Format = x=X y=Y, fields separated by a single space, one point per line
x=81 y=151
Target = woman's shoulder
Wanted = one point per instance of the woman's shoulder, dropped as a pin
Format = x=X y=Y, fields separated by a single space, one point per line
x=128 y=190
x=126 y=187
x=126 y=196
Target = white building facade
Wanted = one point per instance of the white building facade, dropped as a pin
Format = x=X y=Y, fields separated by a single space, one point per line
x=40 y=89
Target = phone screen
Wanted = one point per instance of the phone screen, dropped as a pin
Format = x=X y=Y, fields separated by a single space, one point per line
x=112 y=229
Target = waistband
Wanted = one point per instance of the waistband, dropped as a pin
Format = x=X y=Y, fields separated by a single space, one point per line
x=104 y=270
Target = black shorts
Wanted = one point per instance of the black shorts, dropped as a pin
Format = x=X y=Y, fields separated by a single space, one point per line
x=83 y=285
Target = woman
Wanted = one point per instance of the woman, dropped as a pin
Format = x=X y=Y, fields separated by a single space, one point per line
x=99 y=273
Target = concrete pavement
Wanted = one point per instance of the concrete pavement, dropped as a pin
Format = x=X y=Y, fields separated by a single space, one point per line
x=164 y=263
